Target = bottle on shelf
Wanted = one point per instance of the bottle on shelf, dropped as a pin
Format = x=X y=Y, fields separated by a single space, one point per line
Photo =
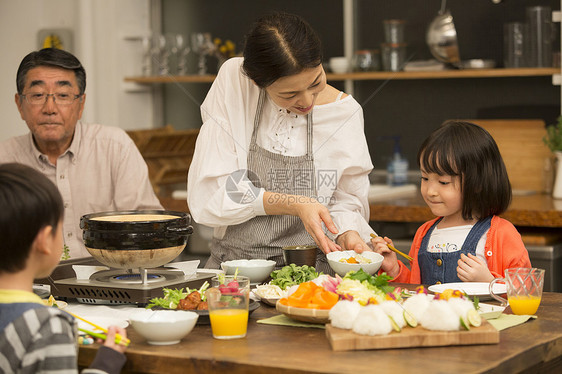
x=397 y=168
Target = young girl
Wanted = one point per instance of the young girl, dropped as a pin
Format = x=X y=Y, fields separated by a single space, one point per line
x=465 y=184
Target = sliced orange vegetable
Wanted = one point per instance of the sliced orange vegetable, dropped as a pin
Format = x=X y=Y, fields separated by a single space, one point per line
x=301 y=297
x=311 y=296
x=324 y=300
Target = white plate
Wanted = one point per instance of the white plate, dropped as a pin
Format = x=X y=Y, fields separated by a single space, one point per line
x=471 y=288
x=490 y=311
x=104 y=322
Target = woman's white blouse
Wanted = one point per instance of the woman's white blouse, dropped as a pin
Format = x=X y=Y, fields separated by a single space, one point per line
x=341 y=157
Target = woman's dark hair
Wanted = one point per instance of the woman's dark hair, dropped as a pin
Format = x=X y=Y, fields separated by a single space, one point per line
x=467 y=150
x=52 y=57
x=279 y=45
x=29 y=201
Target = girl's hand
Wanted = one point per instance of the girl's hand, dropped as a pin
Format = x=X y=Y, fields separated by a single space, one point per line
x=350 y=240
x=473 y=269
x=390 y=263
x=110 y=341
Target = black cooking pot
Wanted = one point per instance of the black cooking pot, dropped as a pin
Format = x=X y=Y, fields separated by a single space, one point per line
x=136 y=238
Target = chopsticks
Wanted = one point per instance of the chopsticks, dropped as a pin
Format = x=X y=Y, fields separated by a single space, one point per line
x=118 y=338
x=104 y=337
x=394 y=249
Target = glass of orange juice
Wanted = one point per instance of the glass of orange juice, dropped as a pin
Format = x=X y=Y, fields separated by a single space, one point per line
x=524 y=289
x=228 y=301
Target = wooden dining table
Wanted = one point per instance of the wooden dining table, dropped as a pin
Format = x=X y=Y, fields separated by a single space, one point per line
x=534 y=346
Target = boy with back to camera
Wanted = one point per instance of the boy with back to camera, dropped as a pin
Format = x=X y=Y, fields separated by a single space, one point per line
x=35 y=338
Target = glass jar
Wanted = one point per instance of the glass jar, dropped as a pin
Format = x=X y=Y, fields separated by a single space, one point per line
x=366 y=60
x=394 y=30
x=393 y=56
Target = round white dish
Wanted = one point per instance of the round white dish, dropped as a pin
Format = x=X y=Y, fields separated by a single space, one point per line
x=342 y=268
x=256 y=269
x=163 y=327
x=490 y=311
x=470 y=288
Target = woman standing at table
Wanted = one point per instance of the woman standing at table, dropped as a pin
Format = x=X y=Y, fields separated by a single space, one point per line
x=281 y=158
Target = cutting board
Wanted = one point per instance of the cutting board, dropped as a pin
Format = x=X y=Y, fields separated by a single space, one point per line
x=523 y=151
x=347 y=340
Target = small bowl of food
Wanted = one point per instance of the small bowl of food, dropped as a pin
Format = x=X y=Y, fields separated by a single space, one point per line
x=257 y=270
x=346 y=261
x=163 y=327
x=300 y=255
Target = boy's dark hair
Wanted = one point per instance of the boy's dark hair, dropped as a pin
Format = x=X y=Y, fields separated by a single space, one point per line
x=279 y=45
x=467 y=150
x=52 y=57
x=29 y=201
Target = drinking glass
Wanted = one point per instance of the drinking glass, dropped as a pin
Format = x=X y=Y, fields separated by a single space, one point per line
x=524 y=289
x=202 y=44
x=228 y=301
x=162 y=54
x=146 y=42
x=182 y=46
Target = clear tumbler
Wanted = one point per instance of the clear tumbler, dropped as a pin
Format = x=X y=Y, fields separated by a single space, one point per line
x=541 y=34
x=515 y=44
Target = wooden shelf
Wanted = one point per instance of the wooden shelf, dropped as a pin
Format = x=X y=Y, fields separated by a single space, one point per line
x=377 y=75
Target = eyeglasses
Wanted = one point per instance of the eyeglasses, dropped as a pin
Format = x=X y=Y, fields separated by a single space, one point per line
x=60 y=98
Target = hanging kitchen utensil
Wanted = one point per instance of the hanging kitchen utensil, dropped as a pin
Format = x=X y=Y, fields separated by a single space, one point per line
x=441 y=37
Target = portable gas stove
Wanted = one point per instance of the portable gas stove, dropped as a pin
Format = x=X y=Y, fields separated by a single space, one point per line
x=121 y=286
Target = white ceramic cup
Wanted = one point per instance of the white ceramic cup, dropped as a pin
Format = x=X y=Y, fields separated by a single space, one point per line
x=339 y=64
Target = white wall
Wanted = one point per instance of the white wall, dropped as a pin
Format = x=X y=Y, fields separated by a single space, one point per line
x=104 y=39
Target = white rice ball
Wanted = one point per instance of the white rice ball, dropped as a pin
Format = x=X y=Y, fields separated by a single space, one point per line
x=440 y=316
x=372 y=320
x=394 y=310
x=461 y=306
x=417 y=304
x=344 y=313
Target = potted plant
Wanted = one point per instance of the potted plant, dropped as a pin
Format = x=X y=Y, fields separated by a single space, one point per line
x=553 y=140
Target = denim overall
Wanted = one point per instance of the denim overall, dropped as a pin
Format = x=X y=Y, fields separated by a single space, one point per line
x=441 y=267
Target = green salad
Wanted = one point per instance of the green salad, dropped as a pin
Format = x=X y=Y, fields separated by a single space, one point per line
x=291 y=275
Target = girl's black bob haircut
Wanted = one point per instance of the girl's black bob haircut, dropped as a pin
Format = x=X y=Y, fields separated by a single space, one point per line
x=467 y=150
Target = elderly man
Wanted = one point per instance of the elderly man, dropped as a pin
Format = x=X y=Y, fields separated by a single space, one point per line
x=96 y=168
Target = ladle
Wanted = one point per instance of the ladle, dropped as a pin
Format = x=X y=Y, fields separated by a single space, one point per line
x=441 y=37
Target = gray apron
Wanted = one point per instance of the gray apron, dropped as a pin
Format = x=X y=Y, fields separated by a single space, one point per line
x=264 y=236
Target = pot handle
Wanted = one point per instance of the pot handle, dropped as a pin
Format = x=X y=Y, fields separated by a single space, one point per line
x=187 y=229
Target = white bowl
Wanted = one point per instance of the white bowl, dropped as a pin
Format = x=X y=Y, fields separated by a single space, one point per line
x=163 y=327
x=342 y=268
x=256 y=270
x=339 y=64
